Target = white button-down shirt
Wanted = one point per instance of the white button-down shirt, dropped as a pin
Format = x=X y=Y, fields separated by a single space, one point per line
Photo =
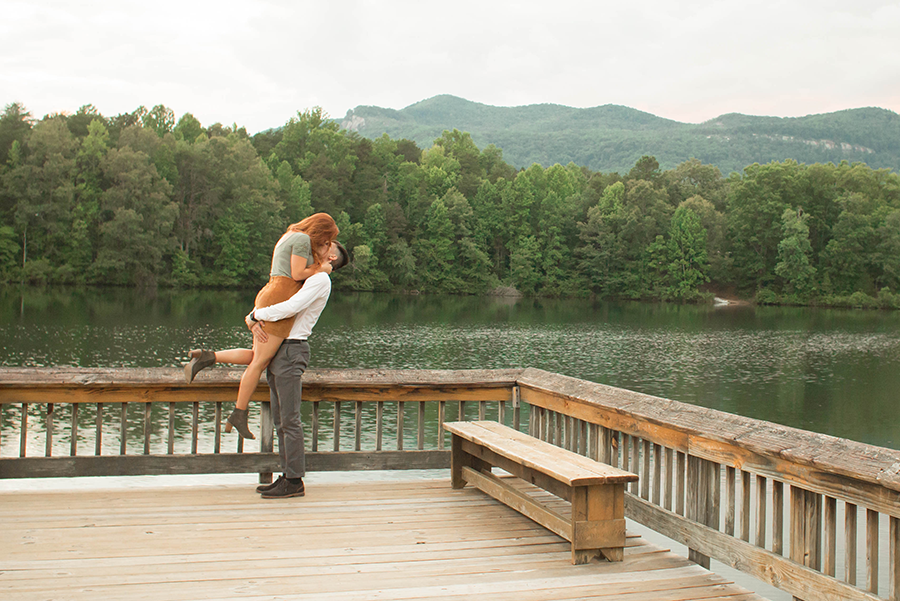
x=307 y=305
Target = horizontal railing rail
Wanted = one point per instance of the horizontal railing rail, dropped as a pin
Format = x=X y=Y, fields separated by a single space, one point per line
x=814 y=515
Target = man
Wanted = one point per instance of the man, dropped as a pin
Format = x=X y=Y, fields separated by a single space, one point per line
x=286 y=369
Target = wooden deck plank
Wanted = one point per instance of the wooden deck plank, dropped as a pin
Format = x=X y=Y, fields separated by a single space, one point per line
x=351 y=573
x=369 y=540
x=401 y=585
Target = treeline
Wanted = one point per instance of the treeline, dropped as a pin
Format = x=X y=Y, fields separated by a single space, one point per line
x=145 y=199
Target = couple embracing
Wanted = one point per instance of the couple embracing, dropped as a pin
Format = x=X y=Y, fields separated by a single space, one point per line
x=284 y=314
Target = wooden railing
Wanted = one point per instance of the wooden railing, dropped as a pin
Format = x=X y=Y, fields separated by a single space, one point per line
x=715 y=482
x=148 y=422
x=781 y=504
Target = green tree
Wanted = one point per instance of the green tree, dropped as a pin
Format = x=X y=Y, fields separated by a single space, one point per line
x=659 y=271
x=756 y=204
x=247 y=218
x=364 y=272
x=435 y=253
x=516 y=202
x=137 y=235
x=693 y=178
x=493 y=166
x=89 y=189
x=15 y=123
x=602 y=254
x=489 y=223
x=887 y=255
x=686 y=254
x=83 y=117
x=196 y=193
x=523 y=264
x=717 y=245
x=794 y=252
x=45 y=182
x=294 y=193
x=646 y=168
x=460 y=147
x=160 y=119
x=375 y=229
x=472 y=265
x=323 y=155
x=399 y=263
x=645 y=216
x=188 y=129
x=848 y=257
x=441 y=172
x=9 y=252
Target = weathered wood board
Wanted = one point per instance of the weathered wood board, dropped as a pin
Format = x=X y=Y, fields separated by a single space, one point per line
x=411 y=539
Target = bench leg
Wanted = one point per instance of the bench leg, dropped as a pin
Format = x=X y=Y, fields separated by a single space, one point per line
x=457 y=461
x=598 y=518
x=460 y=458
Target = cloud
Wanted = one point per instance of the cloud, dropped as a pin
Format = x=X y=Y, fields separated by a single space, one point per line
x=258 y=63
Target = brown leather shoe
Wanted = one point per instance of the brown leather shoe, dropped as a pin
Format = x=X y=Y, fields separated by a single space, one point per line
x=199 y=360
x=267 y=487
x=285 y=490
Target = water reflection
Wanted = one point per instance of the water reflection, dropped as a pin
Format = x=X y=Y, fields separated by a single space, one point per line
x=832 y=371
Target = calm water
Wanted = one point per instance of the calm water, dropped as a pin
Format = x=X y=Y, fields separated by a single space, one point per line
x=830 y=371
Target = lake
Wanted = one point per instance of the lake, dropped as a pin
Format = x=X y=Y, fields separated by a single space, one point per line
x=833 y=371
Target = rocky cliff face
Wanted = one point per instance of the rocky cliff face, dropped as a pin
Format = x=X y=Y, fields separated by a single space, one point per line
x=352 y=122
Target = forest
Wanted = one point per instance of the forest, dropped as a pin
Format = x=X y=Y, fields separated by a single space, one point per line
x=145 y=199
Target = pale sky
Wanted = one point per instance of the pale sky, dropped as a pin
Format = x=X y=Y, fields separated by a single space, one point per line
x=258 y=63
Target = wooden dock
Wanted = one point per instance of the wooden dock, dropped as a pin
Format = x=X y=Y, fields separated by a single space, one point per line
x=406 y=539
x=812 y=515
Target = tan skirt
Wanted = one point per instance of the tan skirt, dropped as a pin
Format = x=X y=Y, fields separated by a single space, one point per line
x=279 y=288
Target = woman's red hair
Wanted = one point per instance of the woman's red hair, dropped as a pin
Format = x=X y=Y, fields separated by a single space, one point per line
x=321 y=230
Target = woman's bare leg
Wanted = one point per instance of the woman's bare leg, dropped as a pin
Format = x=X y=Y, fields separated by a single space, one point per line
x=262 y=353
x=238 y=356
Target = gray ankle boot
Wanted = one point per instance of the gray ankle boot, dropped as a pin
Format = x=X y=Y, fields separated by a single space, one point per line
x=238 y=419
x=199 y=360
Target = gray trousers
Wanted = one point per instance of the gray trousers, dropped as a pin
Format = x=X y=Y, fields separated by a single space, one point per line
x=285 y=386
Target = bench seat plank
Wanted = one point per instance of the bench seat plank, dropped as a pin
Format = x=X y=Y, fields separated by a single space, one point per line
x=558 y=463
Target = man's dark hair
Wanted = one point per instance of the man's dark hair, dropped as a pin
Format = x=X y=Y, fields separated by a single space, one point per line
x=343 y=257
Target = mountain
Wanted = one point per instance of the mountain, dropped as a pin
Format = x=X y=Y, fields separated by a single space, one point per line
x=612 y=138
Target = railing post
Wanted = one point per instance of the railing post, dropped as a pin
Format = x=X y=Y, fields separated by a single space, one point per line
x=148 y=426
x=266 y=437
x=872 y=546
x=703 y=498
x=806 y=521
x=98 y=443
x=48 y=446
x=123 y=430
x=517 y=409
x=23 y=431
x=73 y=434
x=606 y=447
x=894 y=565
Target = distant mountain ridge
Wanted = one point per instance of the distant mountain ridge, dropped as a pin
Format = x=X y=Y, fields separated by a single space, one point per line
x=612 y=138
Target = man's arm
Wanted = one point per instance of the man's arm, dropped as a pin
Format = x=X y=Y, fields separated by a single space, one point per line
x=315 y=287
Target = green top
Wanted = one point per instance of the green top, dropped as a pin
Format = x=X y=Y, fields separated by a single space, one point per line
x=292 y=243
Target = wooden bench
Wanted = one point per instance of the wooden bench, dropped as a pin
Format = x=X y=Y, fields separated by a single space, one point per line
x=595 y=490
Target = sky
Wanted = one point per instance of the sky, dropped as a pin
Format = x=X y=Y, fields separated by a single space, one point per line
x=256 y=64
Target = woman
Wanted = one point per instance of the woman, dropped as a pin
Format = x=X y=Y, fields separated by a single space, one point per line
x=298 y=254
